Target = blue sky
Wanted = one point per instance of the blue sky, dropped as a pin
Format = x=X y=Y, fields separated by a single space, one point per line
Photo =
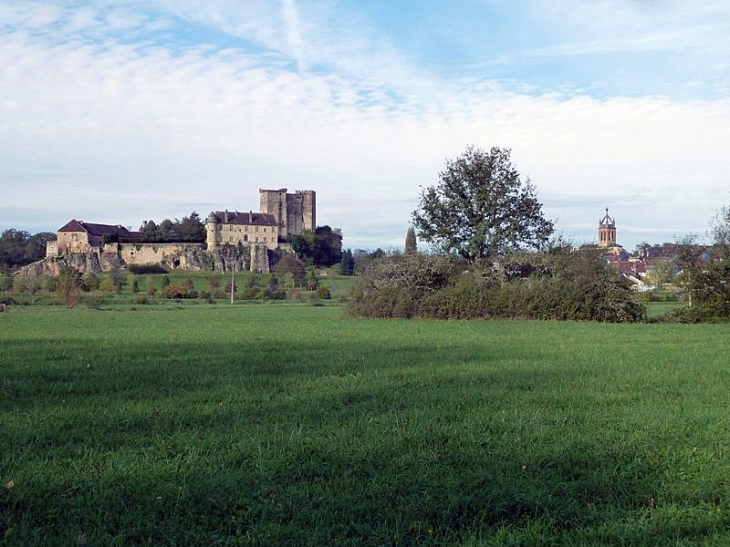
x=122 y=111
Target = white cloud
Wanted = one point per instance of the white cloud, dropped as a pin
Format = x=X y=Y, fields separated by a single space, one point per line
x=139 y=129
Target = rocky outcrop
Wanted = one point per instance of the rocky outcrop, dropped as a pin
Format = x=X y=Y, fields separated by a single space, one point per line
x=189 y=258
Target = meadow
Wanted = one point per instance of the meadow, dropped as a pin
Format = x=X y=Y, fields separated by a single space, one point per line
x=289 y=424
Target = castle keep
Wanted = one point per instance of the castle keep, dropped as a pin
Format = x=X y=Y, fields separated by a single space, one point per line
x=282 y=217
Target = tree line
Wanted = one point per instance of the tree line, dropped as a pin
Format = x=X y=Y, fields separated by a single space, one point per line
x=189 y=229
x=19 y=248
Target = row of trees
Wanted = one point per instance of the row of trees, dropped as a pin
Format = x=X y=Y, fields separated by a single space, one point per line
x=189 y=229
x=19 y=248
x=322 y=248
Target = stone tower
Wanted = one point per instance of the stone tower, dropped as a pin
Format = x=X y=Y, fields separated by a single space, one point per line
x=212 y=238
x=606 y=231
x=294 y=213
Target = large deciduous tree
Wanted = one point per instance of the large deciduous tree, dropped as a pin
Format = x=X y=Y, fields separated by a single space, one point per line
x=481 y=208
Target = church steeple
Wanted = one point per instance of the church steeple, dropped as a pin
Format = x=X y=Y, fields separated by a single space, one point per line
x=606 y=231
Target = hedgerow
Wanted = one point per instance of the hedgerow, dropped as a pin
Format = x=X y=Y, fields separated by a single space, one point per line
x=560 y=284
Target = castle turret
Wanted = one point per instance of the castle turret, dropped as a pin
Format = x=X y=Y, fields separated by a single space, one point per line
x=211 y=237
x=606 y=231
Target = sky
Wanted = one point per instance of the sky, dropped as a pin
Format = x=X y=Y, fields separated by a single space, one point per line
x=120 y=111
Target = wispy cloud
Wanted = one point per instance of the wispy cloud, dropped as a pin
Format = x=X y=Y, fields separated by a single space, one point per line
x=138 y=108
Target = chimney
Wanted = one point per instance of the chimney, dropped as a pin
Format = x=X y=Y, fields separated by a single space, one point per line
x=226 y=217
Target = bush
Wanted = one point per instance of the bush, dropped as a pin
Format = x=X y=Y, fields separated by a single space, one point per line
x=140 y=269
x=562 y=284
x=140 y=299
x=322 y=293
x=93 y=302
x=250 y=293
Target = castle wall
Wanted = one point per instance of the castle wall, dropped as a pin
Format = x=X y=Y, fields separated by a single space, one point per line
x=152 y=253
x=51 y=248
x=233 y=234
x=72 y=242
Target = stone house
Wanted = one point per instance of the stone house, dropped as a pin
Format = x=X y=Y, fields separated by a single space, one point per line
x=234 y=228
x=77 y=236
x=283 y=216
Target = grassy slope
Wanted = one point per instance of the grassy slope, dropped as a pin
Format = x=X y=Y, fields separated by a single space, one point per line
x=191 y=426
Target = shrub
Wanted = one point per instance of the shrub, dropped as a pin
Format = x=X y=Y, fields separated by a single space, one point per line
x=93 y=302
x=140 y=269
x=561 y=284
x=322 y=293
x=269 y=294
x=250 y=293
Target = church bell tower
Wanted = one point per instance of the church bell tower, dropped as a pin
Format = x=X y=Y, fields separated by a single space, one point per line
x=606 y=231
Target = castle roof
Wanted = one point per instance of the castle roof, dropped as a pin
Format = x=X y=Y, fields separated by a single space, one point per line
x=95 y=229
x=250 y=218
x=607 y=220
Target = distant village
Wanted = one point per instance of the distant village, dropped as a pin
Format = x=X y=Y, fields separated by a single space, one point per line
x=635 y=266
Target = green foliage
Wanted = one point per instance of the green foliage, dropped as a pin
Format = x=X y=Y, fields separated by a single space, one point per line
x=18 y=248
x=323 y=248
x=91 y=282
x=6 y=281
x=290 y=264
x=705 y=275
x=322 y=293
x=327 y=249
x=189 y=229
x=108 y=285
x=312 y=281
x=146 y=269
x=51 y=284
x=69 y=286
x=481 y=208
x=347 y=264
x=562 y=284
x=303 y=245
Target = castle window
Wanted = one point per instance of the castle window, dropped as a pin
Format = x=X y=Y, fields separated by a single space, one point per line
x=257 y=239
x=245 y=238
x=264 y=239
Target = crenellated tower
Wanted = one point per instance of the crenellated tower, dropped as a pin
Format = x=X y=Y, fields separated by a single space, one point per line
x=294 y=213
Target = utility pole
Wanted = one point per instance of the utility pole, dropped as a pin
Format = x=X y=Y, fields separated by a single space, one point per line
x=233 y=279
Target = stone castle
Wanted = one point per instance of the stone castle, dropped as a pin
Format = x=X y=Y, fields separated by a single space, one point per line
x=234 y=240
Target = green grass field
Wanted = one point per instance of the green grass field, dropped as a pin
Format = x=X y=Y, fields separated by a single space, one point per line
x=288 y=424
